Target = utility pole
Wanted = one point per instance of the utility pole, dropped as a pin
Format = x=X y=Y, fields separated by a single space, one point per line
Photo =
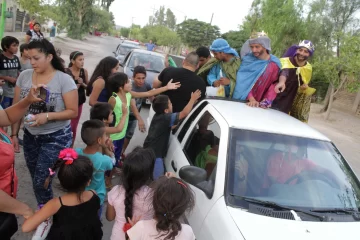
x=132 y=23
x=211 y=18
x=2 y=21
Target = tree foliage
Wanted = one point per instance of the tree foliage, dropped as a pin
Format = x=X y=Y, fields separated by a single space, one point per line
x=196 y=33
x=124 y=32
x=236 y=39
x=170 y=21
x=103 y=20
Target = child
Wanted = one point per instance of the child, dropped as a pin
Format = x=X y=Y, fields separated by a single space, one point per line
x=104 y=112
x=9 y=69
x=75 y=213
x=131 y=197
x=171 y=199
x=139 y=84
x=24 y=57
x=160 y=127
x=94 y=136
x=120 y=86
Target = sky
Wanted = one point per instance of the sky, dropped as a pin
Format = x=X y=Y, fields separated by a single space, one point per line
x=227 y=15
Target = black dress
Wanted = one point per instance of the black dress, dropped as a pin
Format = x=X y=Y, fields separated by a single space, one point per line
x=80 y=222
x=284 y=101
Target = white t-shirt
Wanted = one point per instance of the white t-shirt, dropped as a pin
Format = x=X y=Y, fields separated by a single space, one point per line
x=146 y=230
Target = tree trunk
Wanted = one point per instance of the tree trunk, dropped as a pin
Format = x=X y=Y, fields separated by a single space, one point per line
x=356 y=102
x=326 y=100
x=331 y=101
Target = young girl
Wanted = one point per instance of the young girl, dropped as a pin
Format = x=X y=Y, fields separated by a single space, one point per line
x=171 y=199
x=80 y=75
x=120 y=86
x=131 y=198
x=75 y=215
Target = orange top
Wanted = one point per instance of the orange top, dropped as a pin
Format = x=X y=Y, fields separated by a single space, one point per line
x=6 y=164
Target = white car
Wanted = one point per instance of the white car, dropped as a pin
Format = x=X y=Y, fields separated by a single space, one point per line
x=261 y=174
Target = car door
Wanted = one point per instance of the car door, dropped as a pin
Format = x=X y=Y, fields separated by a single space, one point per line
x=208 y=128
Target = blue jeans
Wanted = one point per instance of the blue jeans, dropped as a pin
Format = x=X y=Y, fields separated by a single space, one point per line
x=41 y=152
x=159 y=169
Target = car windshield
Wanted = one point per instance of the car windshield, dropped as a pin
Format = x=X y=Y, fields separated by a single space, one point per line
x=150 y=62
x=289 y=171
x=123 y=50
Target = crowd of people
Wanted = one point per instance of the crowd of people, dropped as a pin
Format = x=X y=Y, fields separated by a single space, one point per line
x=39 y=95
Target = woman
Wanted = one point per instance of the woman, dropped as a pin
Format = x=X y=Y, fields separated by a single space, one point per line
x=97 y=88
x=8 y=179
x=34 y=34
x=80 y=75
x=47 y=128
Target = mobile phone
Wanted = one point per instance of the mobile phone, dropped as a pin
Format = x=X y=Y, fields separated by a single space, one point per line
x=44 y=94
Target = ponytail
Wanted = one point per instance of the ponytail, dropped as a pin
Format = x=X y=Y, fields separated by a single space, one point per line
x=47 y=48
x=52 y=172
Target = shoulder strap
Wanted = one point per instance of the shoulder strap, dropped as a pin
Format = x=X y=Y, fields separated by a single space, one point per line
x=92 y=192
x=60 y=201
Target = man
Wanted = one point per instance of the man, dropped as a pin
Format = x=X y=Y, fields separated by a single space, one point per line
x=258 y=73
x=204 y=57
x=53 y=32
x=296 y=71
x=223 y=67
x=186 y=75
x=150 y=46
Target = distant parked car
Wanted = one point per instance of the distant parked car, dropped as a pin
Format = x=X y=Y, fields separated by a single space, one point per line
x=97 y=33
x=130 y=42
x=153 y=62
x=123 y=49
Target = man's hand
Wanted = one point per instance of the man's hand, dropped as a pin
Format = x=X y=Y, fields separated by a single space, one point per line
x=141 y=125
x=173 y=86
x=195 y=95
x=253 y=103
x=224 y=81
x=11 y=79
x=15 y=142
x=216 y=83
x=280 y=87
x=304 y=86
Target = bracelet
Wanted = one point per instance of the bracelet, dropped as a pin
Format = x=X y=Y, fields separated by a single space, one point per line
x=47 y=116
x=14 y=135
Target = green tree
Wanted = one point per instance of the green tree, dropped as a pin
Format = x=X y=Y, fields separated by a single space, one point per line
x=170 y=21
x=103 y=20
x=196 y=33
x=236 y=39
x=79 y=17
x=106 y=4
x=342 y=71
x=124 y=32
x=160 y=16
x=32 y=6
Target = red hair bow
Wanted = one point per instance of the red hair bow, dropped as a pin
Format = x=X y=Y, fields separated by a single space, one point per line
x=68 y=155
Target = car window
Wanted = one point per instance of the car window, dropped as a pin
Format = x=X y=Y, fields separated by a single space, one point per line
x=189 y=121
x=202 y=146
x=150 y=62
x=123 y=50
x=290 y=171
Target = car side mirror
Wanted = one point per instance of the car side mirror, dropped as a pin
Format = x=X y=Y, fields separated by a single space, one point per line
x=193 y=175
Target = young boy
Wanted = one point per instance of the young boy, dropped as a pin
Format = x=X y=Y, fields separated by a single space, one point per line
x=94 y=136
x=160 y=127
x=138 y=85
x=24 y=57
x=9 y=69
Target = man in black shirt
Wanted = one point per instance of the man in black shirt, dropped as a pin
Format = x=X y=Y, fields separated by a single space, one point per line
x=188 y=79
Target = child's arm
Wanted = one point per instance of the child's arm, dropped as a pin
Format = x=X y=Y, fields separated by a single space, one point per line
x=194 y=97
x=153 y=92
x=44 y=213
x=134 y=109
x=110 y=212
x=120 y=126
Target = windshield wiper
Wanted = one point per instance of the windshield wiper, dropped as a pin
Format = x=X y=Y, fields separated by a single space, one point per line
x=355 y=213
x=278 y=206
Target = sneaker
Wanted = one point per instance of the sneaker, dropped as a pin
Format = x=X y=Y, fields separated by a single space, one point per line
x=42 y=230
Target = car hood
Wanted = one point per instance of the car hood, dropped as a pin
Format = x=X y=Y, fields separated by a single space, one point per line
x=149 y=75
x=254 y=226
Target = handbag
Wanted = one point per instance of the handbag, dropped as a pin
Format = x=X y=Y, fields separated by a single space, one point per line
x=301 y=105
x=8 y=221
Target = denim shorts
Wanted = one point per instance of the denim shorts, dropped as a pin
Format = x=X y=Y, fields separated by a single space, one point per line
x=118 y=145
x=131 y=129
x=159 y=168
x=41 y=152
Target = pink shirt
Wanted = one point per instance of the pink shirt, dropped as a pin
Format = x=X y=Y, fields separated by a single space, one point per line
x=146 y=230
x=142 y=206
x=281 y=168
